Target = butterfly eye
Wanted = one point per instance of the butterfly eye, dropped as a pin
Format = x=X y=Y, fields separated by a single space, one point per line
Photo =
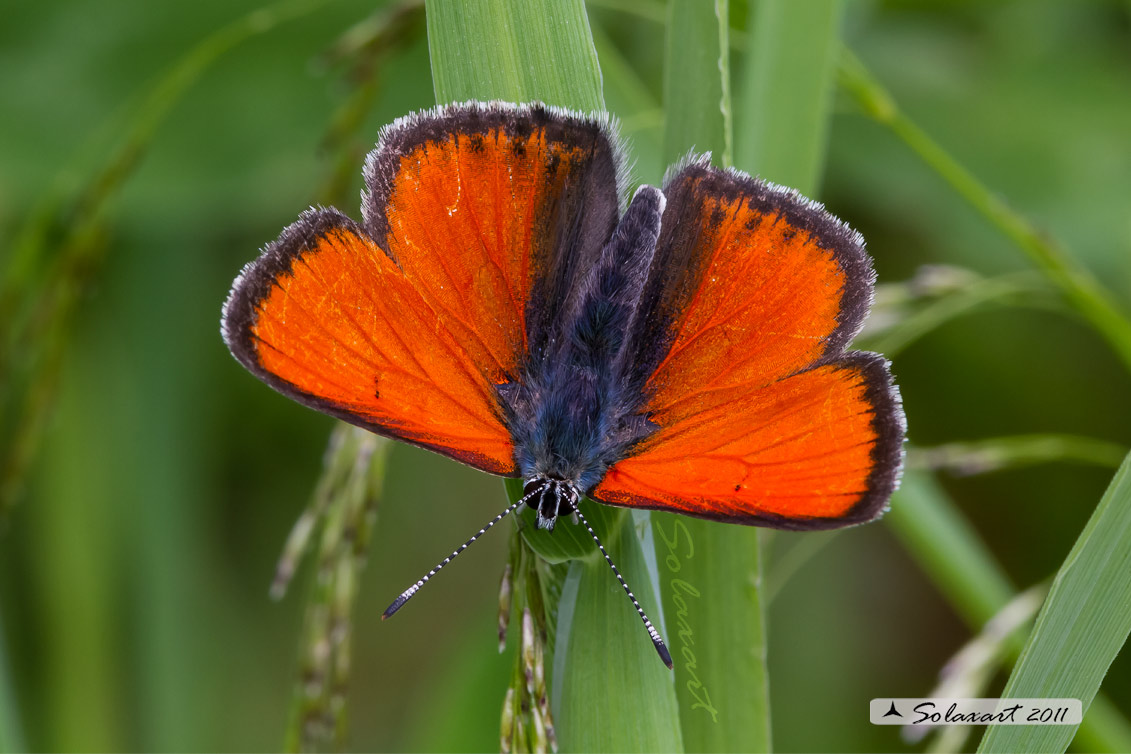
x=567 y=503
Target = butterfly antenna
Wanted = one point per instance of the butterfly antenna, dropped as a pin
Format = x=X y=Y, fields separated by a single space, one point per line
x=661 y=648
x=398 y=603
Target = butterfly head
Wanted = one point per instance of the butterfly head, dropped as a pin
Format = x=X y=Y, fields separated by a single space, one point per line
x=550 y=498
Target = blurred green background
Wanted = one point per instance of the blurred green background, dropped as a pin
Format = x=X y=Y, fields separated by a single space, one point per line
x=134 y=572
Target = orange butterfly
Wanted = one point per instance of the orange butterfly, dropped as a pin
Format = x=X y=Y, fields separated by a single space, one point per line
x=498 y=304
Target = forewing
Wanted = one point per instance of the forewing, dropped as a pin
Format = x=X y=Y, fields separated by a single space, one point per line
x=493 y=211
x=737 y=352
x=476 y=219
x=326 y=318
x=749 y=283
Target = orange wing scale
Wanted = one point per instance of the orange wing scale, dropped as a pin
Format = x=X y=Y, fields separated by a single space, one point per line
x=762 y=418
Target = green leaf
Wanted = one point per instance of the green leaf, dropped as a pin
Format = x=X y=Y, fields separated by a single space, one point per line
x=615 y=694
x=697 y=81
x=787 y=93
x=710 y=581
x=514 y=50
x=1081 y=628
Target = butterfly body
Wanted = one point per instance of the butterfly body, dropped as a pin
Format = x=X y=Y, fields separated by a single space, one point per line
x=569 y=416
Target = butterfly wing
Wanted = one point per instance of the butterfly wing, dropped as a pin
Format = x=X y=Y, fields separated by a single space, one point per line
x=738 y=349
x=408 y=323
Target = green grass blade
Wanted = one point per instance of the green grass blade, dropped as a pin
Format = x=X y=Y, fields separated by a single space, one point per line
x=616 y=695
x=603 y=659
x=1029 y=289
x=42 y=278
x=787 y=91
x=515 y=51
x=1105 y=729
x=78 y=585
x=696 y=81
x=31 y=246
x=921 y=514
x=710 y=573
x=997 y=453
x=466 y=697
x=642 y=117
x=711 y=586
x=1081 y=628
x=938 y=536
x=713 y=599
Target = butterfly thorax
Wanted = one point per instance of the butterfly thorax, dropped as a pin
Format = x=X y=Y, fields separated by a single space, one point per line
x=571 y=415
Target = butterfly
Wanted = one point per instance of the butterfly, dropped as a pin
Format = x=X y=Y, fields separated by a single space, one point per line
x=500 y=305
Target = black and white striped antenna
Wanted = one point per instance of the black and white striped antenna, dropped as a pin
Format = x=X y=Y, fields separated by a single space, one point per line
x=652 y=632
x=407 y=594
x=398 y=603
